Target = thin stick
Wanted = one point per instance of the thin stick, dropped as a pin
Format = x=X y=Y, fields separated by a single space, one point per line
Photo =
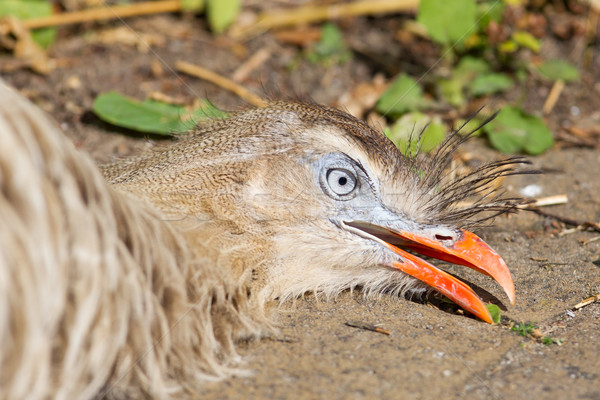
x=566 y=232
x=541 y=202
x=580 y=224
x=547 y=201
x=575 y=140
x=587 y=302
x=310 y=14
x=594 y=239
x=552 y=98
x=221 y=81
x=104 y=13
x=368 y=327
x=255 y=61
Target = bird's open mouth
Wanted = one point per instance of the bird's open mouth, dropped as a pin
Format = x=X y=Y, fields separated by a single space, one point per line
x=468 y=250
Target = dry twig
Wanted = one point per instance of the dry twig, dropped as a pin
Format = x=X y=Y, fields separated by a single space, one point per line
x=368 y=327
x=547 y=201
x=586 y=242
x=104 y=13
x=14 y=36
x=555 y=200
x=310 y=14
x=553 y=96
x=568 y=221
x=587 y=302
x=574 y=140
x=256 y=60
x=221 y=81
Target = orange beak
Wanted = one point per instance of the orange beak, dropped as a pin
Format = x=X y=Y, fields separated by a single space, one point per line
x=468 y=250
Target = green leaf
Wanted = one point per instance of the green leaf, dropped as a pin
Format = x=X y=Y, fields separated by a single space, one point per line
x=331 y=49
x=559 y=69
x=448 y=22
x=221 y=13
x=547 y=340
x=490 y=83
x=407 y=131
x=150 y=116
x=404 y=94
x=494 y=312
x=27 y=9
x=527 y=40
x=539 y=138
x=523 y=329
x=513 y=131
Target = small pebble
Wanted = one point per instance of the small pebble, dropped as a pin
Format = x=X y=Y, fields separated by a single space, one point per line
x=531 y=190
x=575 y=111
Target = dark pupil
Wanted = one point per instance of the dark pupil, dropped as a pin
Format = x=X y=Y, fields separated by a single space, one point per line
x=342 y=181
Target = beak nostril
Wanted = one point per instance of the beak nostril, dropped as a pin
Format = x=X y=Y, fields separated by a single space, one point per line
x=443 y=237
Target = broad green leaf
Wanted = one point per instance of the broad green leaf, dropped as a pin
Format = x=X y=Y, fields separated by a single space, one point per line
x=418 y=130
x=221 y=13
x=195 y=6
x=150 y=116
x=27 y=9
x=539 y=138
x=448 y=22
x=331 y=49
x=494 y=312
x=490 y=83
x=507 y=131
x=558 y=69
x=404 y=94
x=513 y=131
x=526 y=39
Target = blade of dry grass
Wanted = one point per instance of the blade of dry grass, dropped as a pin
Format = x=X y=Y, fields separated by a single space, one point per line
x=221 y=81
x=104 y=13
x=309 y=14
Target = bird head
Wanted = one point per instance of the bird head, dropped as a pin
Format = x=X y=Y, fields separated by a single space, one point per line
x=296 y=198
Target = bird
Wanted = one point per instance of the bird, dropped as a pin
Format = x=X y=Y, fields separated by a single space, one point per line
x=137 y=278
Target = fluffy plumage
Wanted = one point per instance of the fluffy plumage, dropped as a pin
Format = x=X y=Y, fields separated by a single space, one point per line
x=97 y=293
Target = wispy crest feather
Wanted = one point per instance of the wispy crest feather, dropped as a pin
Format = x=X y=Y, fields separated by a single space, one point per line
x=464 y=201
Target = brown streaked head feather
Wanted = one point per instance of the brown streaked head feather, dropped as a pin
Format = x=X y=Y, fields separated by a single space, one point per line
x=237 y=179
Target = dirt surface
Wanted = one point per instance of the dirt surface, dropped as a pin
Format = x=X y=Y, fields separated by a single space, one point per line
x=430 y=352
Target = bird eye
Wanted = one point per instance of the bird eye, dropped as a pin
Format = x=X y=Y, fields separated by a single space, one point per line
x=341 y=181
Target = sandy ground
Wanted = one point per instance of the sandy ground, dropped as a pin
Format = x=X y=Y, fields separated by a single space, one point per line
x=430 y=352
